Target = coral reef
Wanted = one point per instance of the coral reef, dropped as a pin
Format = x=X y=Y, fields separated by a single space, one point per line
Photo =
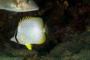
x=76 y=49
x=68 y=24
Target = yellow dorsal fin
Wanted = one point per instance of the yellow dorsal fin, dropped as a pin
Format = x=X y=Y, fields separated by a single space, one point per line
x=23 y=19
x=29 y=17
x=29 y=46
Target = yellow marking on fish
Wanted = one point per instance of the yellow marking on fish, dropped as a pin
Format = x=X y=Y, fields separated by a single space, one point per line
x=22 y=38
x=30 y=17
x=43 y=39
x=29 y=46
x=23 y=19
x=88 y=30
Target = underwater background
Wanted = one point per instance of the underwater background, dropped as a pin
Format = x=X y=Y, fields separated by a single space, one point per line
x=68 y=35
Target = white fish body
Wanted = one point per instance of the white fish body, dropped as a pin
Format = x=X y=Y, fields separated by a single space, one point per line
x=30 y=31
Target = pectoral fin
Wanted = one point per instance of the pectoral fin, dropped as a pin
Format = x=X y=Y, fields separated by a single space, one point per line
x=29 y=46
x=45 y=29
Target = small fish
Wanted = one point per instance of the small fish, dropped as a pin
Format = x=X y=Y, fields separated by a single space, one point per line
x=30 y=30
x=18 y=5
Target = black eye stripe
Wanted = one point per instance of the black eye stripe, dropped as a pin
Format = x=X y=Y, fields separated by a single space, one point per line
x=16 y=35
